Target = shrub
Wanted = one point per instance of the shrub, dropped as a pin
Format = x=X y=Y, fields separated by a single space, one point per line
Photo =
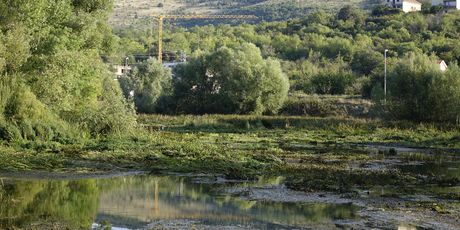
x=311 y=106
x=23 y=116
x=419 y=91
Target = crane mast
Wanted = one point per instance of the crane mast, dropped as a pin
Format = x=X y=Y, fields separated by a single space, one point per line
x=161 y=19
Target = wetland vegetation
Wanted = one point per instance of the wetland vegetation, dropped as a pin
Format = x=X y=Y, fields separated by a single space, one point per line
x=397 y=167
x=290 y=151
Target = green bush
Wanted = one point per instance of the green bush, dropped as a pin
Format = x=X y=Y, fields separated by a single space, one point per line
x=23 y=116
x=311 y=106
x=334 y=79
x=9 y=132
x=53 y=84
x=112 y=115
x=419 y=91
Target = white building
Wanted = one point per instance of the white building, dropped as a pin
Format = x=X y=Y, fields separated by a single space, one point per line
x=449 y=4
x=442 y=65
x=405 y=5
x=121 y=70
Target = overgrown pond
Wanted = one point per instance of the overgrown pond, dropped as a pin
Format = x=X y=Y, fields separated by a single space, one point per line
x=142 y=201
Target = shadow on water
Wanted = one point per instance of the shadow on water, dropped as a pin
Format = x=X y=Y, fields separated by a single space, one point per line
x=138 y=201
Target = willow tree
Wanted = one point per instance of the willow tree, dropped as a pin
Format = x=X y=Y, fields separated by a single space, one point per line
x=231 y=80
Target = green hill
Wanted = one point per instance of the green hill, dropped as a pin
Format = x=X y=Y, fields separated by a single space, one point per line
x=137 y=12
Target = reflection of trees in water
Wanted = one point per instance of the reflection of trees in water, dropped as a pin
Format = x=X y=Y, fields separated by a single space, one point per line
x=72 y=204
x=148 y=198
x=76 y=204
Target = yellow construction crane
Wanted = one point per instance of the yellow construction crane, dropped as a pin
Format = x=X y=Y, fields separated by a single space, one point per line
x=161 y=18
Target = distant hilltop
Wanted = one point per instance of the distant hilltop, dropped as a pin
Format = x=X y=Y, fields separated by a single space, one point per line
x=137 y=12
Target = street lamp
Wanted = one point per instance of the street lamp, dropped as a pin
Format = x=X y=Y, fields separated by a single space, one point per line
x=385 y=78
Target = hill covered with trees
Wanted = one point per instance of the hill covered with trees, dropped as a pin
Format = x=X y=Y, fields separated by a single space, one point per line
x=331 y=53
x=138 y=13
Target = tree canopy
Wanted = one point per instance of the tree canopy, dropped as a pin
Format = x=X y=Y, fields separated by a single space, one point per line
x=52 y=77
x=419 y=90
x=147 y=83
x=231 y=80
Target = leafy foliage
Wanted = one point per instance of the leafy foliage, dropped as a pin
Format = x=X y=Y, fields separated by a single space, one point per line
x=229 y=80
x=419 y=91
x=324 y=52
x=53 y=80
x=148 y=82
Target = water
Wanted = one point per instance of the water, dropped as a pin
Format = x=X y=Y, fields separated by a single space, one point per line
x=144 y=202
x=159 y=202
x=440 y=175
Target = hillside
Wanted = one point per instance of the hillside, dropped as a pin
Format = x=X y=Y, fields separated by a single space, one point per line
x=136 y=12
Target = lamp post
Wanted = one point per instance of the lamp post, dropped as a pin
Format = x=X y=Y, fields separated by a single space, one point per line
x=385 y=78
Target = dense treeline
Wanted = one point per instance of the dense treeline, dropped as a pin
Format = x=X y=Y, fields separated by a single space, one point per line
x=326 y=53
x=53 y=84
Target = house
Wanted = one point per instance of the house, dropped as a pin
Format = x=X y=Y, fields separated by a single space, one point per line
x=405 y=5
x=442 y=65
x=121 y=70
x=448 y=4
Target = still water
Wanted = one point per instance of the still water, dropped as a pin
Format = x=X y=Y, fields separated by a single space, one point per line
x=144 y=202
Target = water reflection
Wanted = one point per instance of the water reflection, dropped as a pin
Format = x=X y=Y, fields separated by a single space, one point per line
x=136 y=201
x=63 y=203
x=440 y=168
x=147 y=199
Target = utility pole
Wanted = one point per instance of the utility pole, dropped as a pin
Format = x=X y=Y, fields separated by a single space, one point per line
x=160 y=38
x=385 y=78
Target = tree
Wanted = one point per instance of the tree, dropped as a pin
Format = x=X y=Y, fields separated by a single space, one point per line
x=382 y=9
x=228 y=80
x=419 y=91
x=149 y=82
x=365 y=61
x=338 y=47
x=319 y=17
x=16 y=48
x=351 y=19
x=350 y=13
x=335 y=78
x=50 y=57
x=90 y=6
